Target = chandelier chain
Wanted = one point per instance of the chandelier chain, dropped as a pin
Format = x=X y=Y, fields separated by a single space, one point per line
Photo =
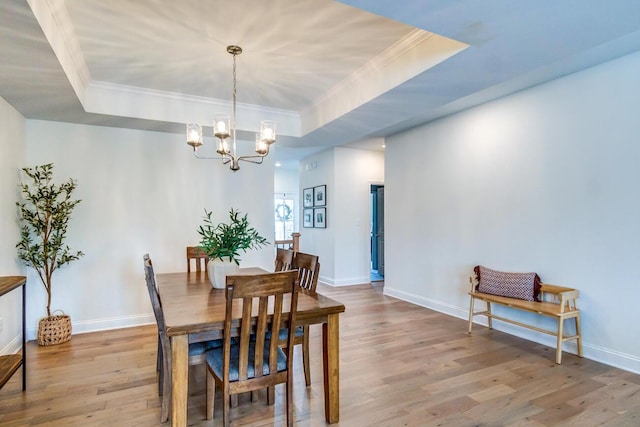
x=234 y=104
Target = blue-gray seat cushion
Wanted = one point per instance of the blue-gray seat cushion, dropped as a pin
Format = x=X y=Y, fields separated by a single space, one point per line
x=282 y=336
x=214 y=360
x=198 y=348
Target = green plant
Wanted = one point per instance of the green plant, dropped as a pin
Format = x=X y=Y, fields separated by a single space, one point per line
x=226 y=240
x=44 y=217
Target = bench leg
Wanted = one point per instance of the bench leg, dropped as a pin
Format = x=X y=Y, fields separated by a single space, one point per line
x=489 y=317
x=560 y=340
x=579 y=334
x=471 y=314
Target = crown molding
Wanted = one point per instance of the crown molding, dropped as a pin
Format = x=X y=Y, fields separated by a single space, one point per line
x=172 y=107
x=415 y=53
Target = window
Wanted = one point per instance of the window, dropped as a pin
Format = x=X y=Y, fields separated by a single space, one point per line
x=284 y=209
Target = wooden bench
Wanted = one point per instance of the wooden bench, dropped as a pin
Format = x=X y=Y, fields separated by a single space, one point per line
x=555 y=301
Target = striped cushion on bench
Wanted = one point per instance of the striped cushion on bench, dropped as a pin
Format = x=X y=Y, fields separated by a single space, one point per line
x=525 y=286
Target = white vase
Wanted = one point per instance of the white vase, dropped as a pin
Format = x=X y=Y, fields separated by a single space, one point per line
x=219 y=270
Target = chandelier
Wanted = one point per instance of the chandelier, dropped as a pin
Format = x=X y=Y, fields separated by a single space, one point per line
x=224 y=128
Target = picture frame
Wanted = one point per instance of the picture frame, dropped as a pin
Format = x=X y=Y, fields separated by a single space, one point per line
x=320 y=217
x=320 y=195
x=307 y=197
x=307 y=218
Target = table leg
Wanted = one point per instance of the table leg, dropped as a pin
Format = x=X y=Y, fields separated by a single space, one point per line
x=179 y=379
x=331 y=362
x=24 y=337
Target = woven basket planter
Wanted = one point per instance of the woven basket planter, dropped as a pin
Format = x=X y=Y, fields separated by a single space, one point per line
x=54 y=330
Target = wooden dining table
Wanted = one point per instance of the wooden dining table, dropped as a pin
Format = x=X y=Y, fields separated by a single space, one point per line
x=194 y=311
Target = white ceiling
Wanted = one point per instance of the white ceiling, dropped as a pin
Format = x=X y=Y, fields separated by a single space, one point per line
x=329 y=73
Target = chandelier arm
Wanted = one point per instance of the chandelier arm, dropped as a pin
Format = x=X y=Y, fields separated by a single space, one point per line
x=253 y=156
x=249 y=159
x=225 y=159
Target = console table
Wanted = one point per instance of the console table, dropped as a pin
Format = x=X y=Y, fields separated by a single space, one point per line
x=10 y=363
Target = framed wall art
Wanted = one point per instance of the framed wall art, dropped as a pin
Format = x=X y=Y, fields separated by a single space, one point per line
x=307 y=197
x=320 y=217
x=320 y=195
x=307 y=218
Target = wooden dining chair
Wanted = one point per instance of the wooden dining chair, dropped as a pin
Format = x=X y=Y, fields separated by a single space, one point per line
x=163 y=362
x=197 y=254
x=284 y=258
x=308 y=267
x=251 y=361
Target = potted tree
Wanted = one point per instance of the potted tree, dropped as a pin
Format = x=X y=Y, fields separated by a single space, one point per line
x=223 y=242
x=44 y=215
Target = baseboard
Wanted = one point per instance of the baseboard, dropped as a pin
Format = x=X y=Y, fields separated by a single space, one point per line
x=594 y=352
x=96 y=325
x=12 y=347
x=427 y=303
x=344 y=282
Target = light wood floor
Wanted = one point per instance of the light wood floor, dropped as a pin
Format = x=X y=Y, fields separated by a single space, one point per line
x=401 y=365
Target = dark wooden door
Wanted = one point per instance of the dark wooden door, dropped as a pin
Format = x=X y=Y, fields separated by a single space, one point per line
x=379 y=232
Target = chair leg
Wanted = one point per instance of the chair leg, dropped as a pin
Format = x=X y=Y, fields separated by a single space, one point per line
x=160 y=368
x=305 y=356
x=271 y=395
x=560 y=340
x=166 y=390
x=159 y=356
x=289 y=392
x=211 y=394
x=225 y=406
x=489 y=318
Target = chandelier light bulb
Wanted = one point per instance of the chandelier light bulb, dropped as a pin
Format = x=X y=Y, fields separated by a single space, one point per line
x=223 y=147
x=221 y=126
x=194 y=135
x=268 y=131
x=262 y=148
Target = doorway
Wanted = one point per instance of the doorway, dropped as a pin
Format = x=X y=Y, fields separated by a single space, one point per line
x=377 y=232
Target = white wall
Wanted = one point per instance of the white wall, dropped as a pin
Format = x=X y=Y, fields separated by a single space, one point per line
x=545 y=180
x=344 y=246
x=355 y=171
x=141 y=192
x=286 y=181
x=319 y=170
x=12 y=147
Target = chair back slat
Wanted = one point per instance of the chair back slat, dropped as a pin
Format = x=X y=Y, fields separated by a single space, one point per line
x=276 y=325
x=245 y=337
x=197 y=254
x=260 y=335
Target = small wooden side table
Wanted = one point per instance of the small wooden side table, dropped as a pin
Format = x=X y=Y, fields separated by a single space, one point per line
x=10 y=363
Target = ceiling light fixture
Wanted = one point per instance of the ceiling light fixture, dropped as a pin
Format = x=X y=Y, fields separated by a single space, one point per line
x=223 y=129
